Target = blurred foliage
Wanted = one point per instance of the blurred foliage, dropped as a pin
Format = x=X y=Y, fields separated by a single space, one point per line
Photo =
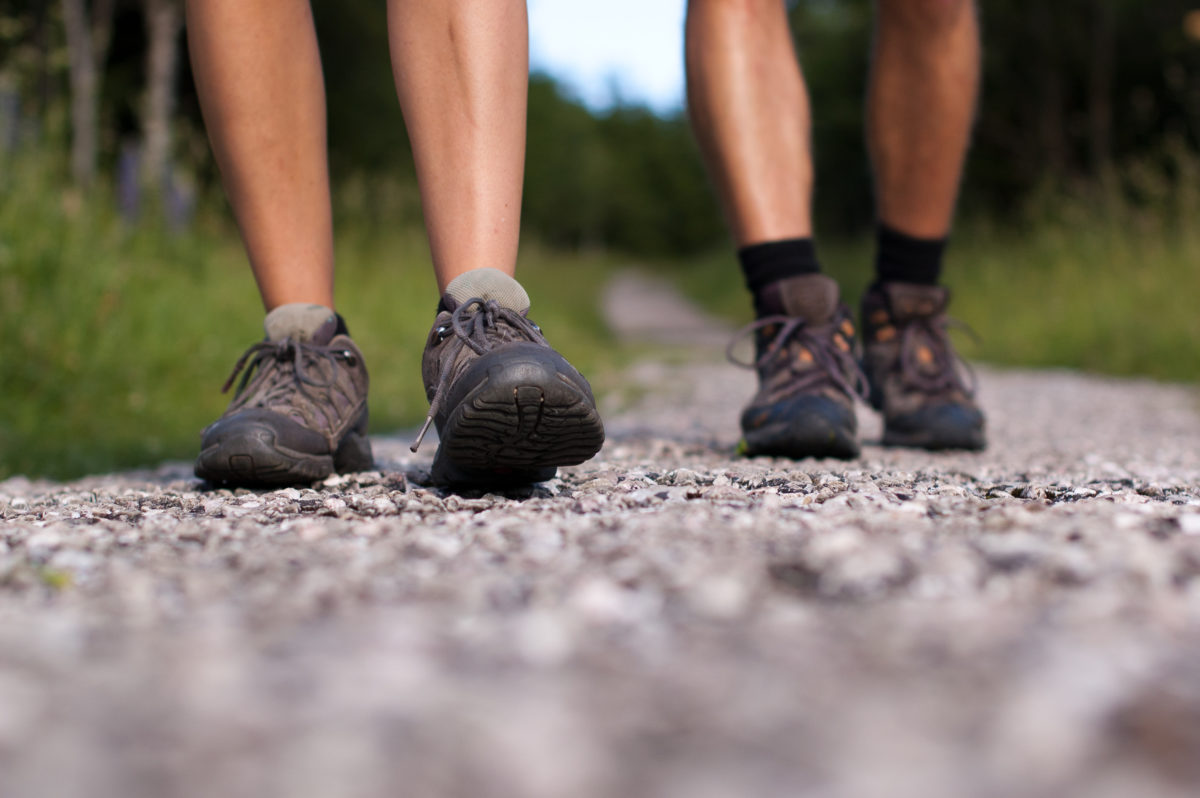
x=1083 y=186
x=1072 y=89
x=623 y=179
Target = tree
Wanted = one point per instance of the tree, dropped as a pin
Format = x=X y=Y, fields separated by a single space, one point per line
x=163 y=23
x=88 y=37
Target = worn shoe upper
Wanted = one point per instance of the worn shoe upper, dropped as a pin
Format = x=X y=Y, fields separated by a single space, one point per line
x=924 y=389
x=808 y=374
x=311 y=380
x=476 y=316
x=509 y=409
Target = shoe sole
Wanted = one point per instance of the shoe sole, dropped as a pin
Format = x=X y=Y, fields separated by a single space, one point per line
x=800 y=441
x=804 y=426
x=938 y=440
x=255 y=460
x=522 y=421
x=938 y=428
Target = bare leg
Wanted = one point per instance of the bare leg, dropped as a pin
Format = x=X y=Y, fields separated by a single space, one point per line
x=924 y=83
x=462 y=73
x=749 y=107
x=258 y=74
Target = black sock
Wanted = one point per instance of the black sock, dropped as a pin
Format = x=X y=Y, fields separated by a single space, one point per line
x=768 y=263
x=900 y=258
x=341 y=325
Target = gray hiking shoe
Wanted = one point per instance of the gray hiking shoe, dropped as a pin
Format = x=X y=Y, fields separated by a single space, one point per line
x=808 y=375
x=508 y=409
x=923 y=388
x=300 y=412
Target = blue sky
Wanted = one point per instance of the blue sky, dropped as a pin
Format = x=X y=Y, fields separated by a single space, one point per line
x=633 y=48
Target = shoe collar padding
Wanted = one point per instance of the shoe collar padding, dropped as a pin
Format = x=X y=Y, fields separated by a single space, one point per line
x=812 y=297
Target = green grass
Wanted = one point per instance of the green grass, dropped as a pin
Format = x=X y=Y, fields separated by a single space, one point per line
x=1097 y=285
x=114 y=342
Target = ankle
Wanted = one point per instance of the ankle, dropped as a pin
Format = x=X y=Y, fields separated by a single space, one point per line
x=766 y=264
x=901 y=258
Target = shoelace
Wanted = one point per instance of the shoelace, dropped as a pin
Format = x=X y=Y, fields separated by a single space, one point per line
x=470 y=329
x=283 y=351
x=950 y=366
x=832 y=362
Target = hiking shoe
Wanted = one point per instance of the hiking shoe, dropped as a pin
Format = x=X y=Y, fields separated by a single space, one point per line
x=808 y=375
x=508 y=409
x=923 y=388
x=300 y=412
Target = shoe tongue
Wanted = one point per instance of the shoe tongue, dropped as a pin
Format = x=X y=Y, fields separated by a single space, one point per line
x=912 y=301
x=812 y=297
x=301 y=322
x=488 y=284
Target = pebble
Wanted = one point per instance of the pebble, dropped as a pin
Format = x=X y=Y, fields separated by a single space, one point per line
x=666 y=619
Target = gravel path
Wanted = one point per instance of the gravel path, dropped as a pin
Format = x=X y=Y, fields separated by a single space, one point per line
x=665 y=620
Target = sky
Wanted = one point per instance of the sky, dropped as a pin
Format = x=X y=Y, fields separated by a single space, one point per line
x=612 y=49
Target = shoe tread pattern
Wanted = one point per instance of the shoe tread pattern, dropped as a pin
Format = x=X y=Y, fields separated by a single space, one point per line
x=509 y=431
x=257 y=461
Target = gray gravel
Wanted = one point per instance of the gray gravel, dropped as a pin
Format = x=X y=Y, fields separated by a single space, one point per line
x=665 y=620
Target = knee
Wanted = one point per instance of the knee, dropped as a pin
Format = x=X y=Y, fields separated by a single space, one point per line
x=925 y=16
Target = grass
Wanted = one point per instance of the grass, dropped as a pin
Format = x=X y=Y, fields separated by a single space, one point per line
x=114 y=340
x=1095 y=283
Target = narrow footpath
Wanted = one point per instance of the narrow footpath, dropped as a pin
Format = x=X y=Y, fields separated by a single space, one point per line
x=665 y=620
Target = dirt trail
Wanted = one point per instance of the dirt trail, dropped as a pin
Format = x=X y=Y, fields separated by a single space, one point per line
x=665 y=620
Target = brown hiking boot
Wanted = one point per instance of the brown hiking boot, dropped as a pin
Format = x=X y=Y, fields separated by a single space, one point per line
x=509 y=409
x=300 y=412
x=923 y=388
x=808 y=375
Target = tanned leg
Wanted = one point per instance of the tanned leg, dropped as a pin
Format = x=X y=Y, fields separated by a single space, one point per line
x=258 y=74
x=924 y=84
x=508 y=414
x=750 y=111
x=462 y=74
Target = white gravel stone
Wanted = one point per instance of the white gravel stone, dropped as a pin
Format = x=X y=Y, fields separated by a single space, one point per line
x=666 y=619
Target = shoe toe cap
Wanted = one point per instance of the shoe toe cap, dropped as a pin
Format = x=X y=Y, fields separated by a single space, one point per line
x=801 y=426
x=798 y=409
x=944 y=425
x=265 y=427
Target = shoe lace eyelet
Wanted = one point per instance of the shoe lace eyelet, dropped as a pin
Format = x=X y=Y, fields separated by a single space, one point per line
x=442 y=333
x=349 y=357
